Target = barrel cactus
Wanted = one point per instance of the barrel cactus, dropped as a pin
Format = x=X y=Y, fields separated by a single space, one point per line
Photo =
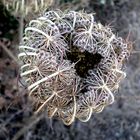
x=71 y=64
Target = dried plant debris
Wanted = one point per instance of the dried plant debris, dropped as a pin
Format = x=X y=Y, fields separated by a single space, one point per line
x=71 y=64
x=26 y=6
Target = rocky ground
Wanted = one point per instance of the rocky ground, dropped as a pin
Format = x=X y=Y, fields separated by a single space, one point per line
x=119 y=121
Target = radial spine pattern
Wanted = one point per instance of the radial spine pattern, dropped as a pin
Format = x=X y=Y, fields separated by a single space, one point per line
x=51 y=77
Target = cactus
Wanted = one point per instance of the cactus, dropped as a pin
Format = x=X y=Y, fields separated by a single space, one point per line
x=57 y=48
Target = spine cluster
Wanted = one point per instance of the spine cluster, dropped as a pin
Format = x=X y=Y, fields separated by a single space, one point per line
x=52 y=79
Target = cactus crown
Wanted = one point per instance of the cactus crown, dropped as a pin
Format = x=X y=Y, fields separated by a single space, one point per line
x=71 y=64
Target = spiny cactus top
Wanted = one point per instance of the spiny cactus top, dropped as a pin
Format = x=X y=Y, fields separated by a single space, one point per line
x=71 y=64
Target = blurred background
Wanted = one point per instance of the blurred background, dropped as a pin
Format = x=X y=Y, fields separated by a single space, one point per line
x=119 y=121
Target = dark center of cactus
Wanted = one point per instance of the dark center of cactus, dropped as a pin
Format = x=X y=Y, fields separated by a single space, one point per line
x=84 y=60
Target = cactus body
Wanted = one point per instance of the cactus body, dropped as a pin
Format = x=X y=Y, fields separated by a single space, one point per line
x=52 y=77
